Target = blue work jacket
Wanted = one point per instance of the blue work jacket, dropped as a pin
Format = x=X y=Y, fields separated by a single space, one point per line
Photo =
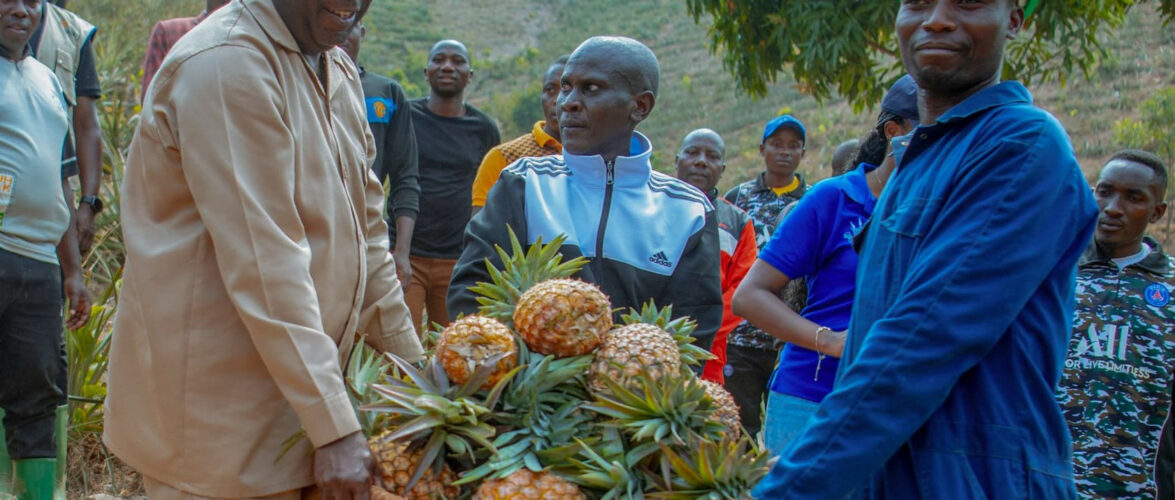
x=965 y=297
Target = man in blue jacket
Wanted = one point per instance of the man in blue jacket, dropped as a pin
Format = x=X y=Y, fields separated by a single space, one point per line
x=965 y=294
x=645 y=235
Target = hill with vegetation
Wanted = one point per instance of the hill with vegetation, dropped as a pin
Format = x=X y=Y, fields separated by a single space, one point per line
x=512 y=41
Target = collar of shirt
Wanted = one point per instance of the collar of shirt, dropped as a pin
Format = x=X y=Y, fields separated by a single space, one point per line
x=271 y=22
x=627 y=171
x=1000 y=94
x=761 y=185
x=1155 y=263
x=855 y=185
x=542 y=138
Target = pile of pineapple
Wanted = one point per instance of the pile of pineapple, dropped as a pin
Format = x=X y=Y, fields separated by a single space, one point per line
x=540 y=396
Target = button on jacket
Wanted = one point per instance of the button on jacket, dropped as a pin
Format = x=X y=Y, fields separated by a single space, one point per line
x=961 y=320
x=255 y=254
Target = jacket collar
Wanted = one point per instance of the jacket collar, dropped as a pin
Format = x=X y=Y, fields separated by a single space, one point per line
x=1155 y=262
x=543 y=138
x=627 y=171
x=1000 y=94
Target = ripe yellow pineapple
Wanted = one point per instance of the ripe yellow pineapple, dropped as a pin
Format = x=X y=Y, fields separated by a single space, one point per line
x=524 y=484
x=397 y=463
x=469 y=342
x=631 y=350
x=563 y=317
x=725 y=409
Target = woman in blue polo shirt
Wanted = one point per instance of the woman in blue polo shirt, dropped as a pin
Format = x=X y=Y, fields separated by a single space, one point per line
x=815 y=241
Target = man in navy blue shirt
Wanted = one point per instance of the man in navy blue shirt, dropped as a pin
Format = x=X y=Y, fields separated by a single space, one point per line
x=965 y=293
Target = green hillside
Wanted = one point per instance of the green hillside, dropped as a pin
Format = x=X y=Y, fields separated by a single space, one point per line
x=512 y=40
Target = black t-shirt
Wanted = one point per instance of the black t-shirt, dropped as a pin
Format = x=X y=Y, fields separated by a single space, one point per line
x=450 y=150
x=390 y=120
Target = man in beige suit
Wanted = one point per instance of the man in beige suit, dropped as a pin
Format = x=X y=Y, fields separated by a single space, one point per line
x=255 y=255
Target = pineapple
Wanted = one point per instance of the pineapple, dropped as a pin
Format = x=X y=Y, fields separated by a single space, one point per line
x=725 y=409
x=525 y=484
x=426 y=415
x=521 y=271
x=468 y=342
x=563 y=317
x=397 y=464
x=726 y=469
x=669 y=409
x=632 y=350
x=681 y=329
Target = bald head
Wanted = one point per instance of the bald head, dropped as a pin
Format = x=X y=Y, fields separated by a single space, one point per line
x=449 y=45
x=842 y=157
x=631 y=61
x=703 y=135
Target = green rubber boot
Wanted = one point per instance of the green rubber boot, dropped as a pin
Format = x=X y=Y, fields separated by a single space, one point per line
x=36 y=478
x=5 y=462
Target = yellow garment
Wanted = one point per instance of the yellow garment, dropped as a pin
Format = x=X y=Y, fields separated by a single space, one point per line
x=537 y=143
x=255 y=255
x=780 y=191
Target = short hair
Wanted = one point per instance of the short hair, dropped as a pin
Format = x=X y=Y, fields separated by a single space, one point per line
x=1149 y=160
x=632 y=60
x=561 y=60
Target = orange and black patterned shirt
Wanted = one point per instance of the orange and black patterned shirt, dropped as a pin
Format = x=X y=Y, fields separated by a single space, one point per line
x=537 y=143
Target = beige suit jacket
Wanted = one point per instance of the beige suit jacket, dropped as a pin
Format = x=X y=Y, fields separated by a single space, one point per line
x=255 y=254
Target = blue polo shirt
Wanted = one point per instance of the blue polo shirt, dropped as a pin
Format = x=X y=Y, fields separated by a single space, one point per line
x=961 y=319
x=815 y=241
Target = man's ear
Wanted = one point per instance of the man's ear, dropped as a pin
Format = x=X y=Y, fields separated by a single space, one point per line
x=1015 y=22
x=642 y=106
x=1160 y=209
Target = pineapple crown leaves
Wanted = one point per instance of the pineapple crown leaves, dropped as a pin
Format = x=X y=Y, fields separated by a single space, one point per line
x=682 y=330
x=654 y=410
x=365 y=368
x=547 y=444
x=424 y=405
x=541 y=406
x=612 y=471
x=521 y=270
x=545 y=382
x=726 y=469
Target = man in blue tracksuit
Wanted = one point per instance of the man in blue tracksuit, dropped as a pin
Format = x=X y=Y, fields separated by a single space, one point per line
x=965 y=290
x=645 y=235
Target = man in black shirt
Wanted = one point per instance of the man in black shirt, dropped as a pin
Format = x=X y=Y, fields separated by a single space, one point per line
x=451 y=138
x=395 y=152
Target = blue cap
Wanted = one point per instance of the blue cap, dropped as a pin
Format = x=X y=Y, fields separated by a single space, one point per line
x=902 y=99
x=784 y=121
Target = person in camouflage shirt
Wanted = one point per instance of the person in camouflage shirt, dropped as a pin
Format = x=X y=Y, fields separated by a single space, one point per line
x=751 y=353
x=1116 y=387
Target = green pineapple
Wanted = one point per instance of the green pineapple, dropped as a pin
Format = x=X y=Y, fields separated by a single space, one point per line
x=425 y=415
x=725 y=469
